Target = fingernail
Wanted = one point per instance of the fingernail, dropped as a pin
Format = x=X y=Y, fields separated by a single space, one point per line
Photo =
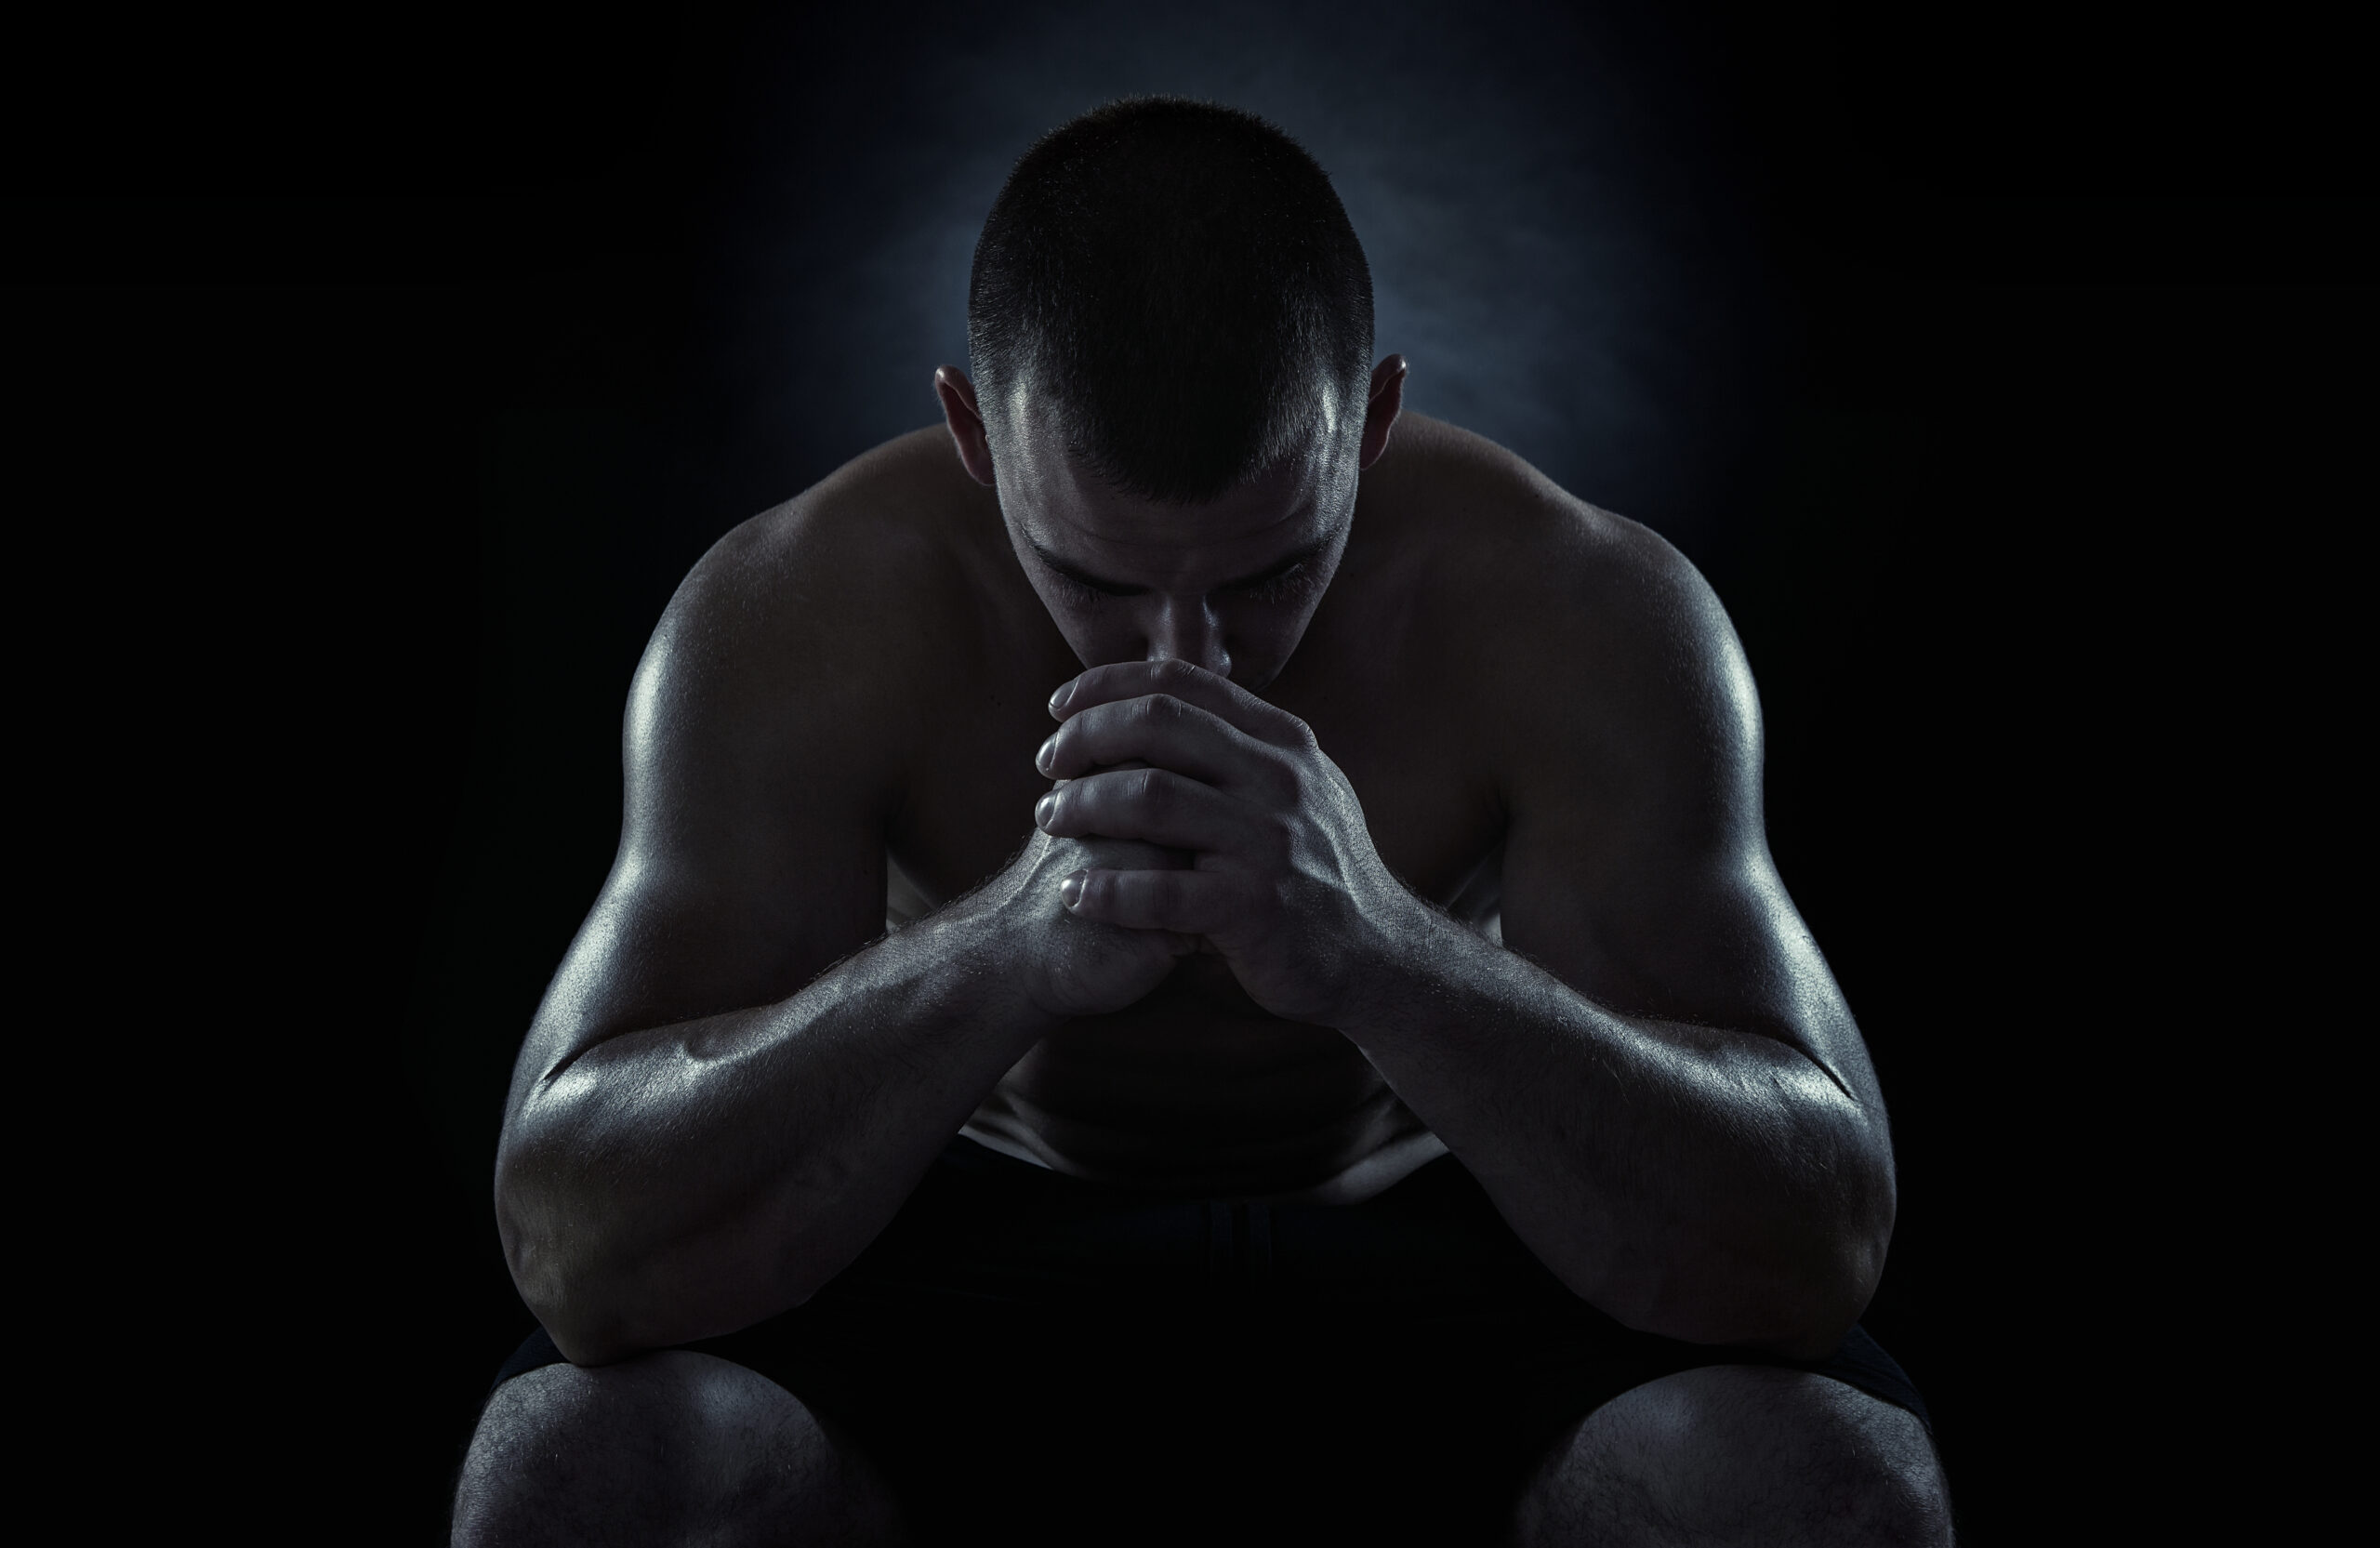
x=1070 y=889
x=1058 y=700
x=1048 y=754
x=1044 y=809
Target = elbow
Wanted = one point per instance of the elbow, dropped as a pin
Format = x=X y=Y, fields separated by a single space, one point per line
x=1796 y=1304
x=568 y=1303
x=1825 y=1277
x=1816 y=1306
x=598 y=1312
x=605 y=1290
x=1829 y=1250
x=556 y=1267
x=1791 y=1285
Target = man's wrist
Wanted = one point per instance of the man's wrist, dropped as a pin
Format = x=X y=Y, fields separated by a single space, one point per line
x=1410 y=953
x=972 y=941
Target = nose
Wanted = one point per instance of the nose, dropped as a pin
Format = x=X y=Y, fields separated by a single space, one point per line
x=1188 y=629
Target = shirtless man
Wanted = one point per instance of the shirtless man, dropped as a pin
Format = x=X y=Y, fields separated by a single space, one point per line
x=1393 y=878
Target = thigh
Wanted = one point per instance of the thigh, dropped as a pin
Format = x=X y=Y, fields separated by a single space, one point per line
x=1734 y=1453
x=664 y=1447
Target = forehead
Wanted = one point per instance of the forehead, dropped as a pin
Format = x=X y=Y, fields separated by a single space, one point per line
x=1063 y=506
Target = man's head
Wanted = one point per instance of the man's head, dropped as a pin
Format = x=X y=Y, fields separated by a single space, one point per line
x=1169 y=324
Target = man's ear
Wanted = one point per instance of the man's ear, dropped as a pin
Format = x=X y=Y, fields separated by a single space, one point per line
x=1379 y=413
x=966 y=421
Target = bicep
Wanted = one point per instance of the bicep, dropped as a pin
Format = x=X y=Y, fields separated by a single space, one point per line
x=1636 y=865
x=1709 y=938
x=751 y=851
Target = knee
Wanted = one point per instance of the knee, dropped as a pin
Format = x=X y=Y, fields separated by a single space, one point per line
x=1740 y=1454
x=664 y=1447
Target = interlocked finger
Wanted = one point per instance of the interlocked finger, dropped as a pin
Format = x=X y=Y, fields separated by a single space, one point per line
x=1154 y=806
x=1188 y=903
x=1160 y=729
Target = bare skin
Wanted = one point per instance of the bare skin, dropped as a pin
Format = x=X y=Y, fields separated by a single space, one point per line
x=1402 y=803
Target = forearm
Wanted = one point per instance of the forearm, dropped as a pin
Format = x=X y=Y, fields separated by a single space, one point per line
x=1700 y=1182
x=685 y=1181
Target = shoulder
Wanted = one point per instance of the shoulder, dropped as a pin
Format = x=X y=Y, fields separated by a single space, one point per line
x=870 y=565
x=826 y=608
x=1500 y=559
x=1586 y=635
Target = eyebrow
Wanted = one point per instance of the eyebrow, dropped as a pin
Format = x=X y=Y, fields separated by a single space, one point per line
x=1117 y=589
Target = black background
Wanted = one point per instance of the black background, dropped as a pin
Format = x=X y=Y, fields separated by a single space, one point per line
x=378 y=380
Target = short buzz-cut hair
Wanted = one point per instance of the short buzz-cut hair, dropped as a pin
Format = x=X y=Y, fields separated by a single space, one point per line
x=1177 y=284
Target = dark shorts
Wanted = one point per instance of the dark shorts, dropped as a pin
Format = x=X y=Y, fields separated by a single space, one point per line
x=1095 y=1364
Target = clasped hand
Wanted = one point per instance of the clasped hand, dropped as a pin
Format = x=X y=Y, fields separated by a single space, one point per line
x=1282 y=880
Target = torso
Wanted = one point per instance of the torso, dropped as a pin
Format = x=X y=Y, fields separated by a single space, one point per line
x=1195 y=1088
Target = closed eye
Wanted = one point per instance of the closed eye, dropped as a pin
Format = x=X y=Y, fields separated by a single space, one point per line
x=1280 y=586
x=1080 y=592
x=1078 y=585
